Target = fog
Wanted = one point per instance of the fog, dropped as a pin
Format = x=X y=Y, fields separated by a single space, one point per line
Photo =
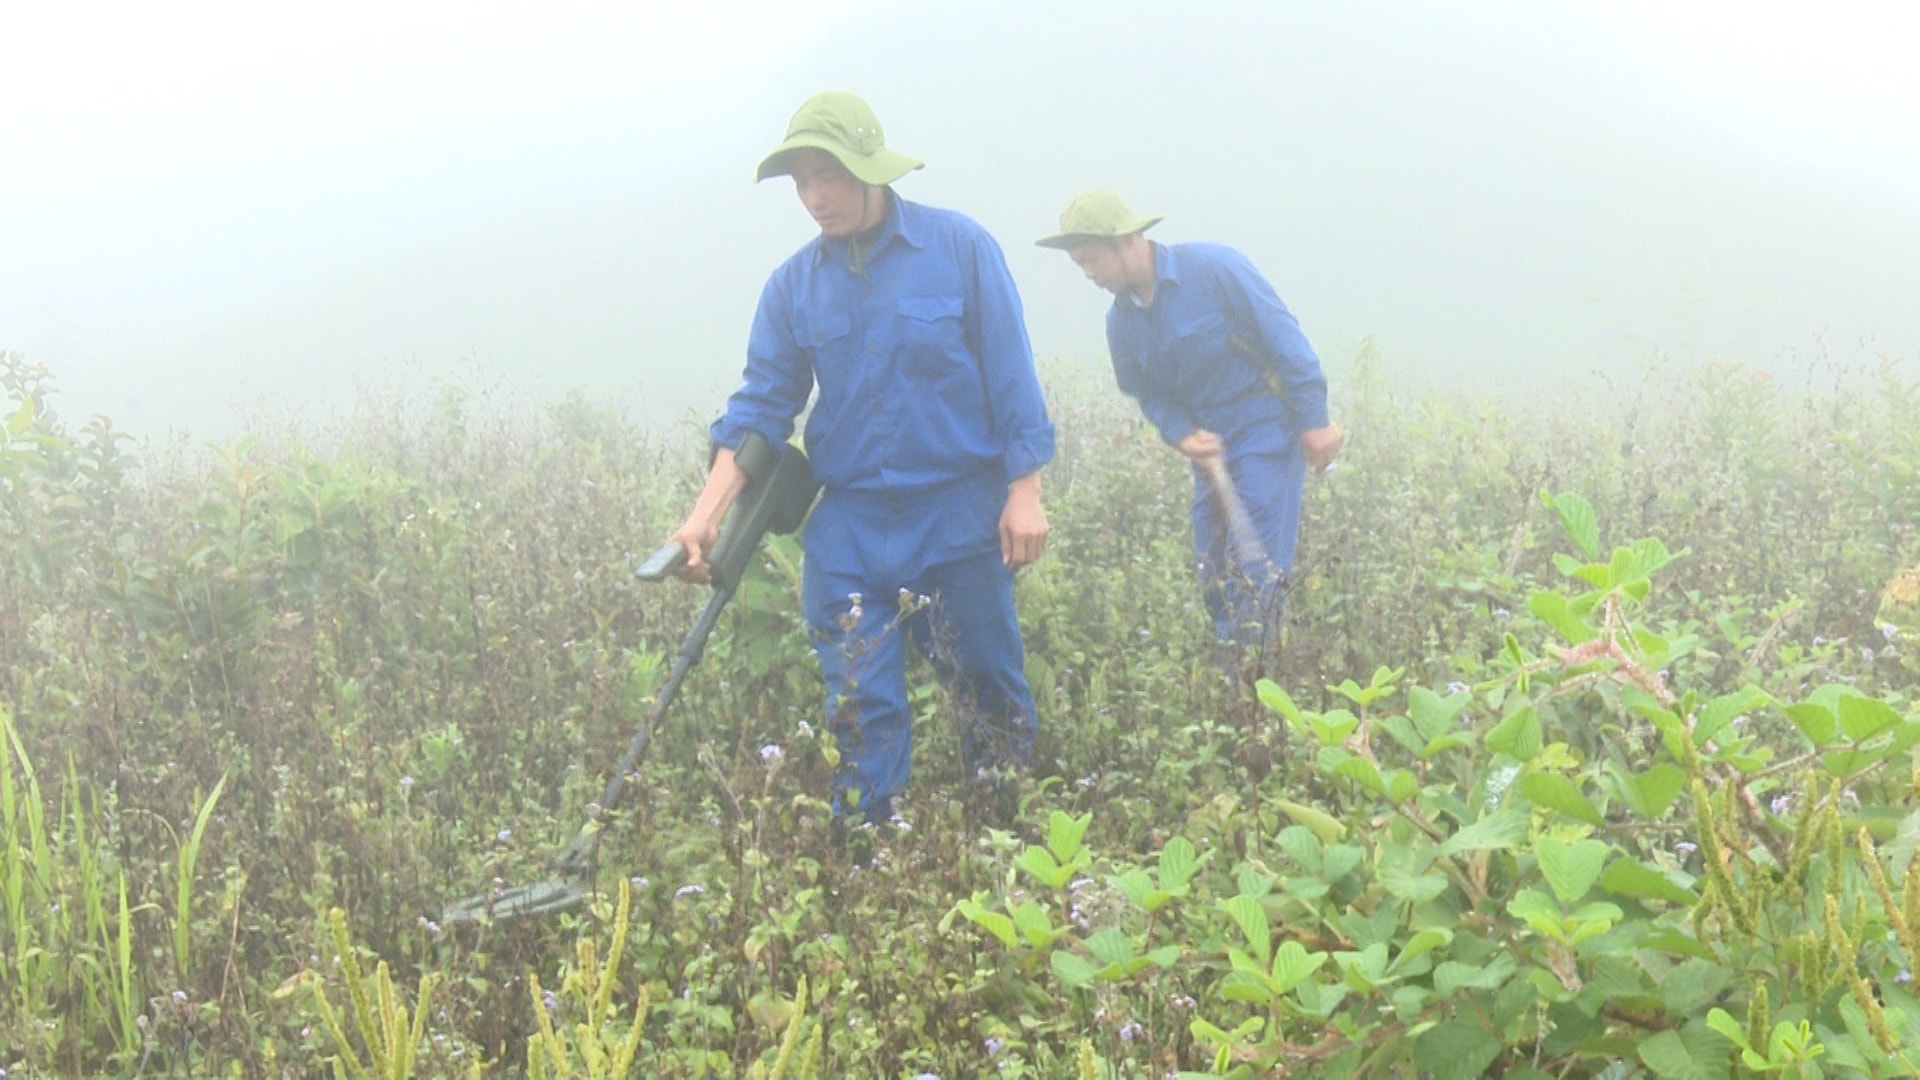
x=214 y=217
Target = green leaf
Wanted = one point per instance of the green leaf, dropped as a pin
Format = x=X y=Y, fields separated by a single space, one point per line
x=1815 y=721
x=1632 y=878
x=1064 y=833
x=1721 y=711
x=1651 y=793
x=1253 y=882
x=1363 y=772
x=991 y=921
x=1072 y=969
x=1402 y=884
x=1455 y=1050
x=1301 y=845
x=1556 y=792
x=1363 y=970
x=22 y=418
x=1862 y=718
x=1692 y=984
x=1552 y=608
x=1501 y=829
x=1332 y=727
x=1038 y=862
x=1577 y=517
x=1678 y=943
x=1339 y=860
x=1452 y=975
x=1422 y=943
x=1034 y=925
x=1252 y=920
x=1293 y=964
x=1135 y=884
x=1723 y=1022
x=1178 y=863
x=1277 y=700
x=1695 y=1052
x=1538 y=911
x=1517 y=736
x=1110 y=946
x=1434 y=715
x=1325 y=826
x=1402 y=785
x=1570 y=869
x=1642 y=559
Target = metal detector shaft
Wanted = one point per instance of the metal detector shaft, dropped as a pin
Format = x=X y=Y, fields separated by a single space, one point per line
x=577 y=856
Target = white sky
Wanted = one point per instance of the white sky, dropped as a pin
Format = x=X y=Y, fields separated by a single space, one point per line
x=207 y=206
x=1832 y=88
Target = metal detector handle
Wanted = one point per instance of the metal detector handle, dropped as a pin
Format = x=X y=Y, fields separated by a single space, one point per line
x=663 y=562
x=779 y=492
x=579 y=853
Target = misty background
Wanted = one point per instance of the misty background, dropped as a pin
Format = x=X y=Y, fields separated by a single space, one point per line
x=220 y=216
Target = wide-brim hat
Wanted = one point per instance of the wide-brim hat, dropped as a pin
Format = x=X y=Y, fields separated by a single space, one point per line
x=843 y=125
x=1097 y=215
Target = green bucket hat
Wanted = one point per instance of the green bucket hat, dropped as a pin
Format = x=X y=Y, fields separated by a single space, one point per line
x=844 y=126
x=1097 y=215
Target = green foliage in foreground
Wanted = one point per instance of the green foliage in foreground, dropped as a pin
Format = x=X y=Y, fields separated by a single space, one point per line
x=1641 y=807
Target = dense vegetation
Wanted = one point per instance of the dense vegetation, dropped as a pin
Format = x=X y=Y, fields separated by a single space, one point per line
x=1616 y=782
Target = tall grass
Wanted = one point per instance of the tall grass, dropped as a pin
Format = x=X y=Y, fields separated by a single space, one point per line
x=384 y=665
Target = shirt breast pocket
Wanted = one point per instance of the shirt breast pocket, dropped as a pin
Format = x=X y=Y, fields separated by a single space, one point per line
x=826 y=337
x=932 y=335
x=1202 y=330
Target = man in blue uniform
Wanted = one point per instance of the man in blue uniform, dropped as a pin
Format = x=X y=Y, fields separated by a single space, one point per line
x=1219 y=365
x=927 y=437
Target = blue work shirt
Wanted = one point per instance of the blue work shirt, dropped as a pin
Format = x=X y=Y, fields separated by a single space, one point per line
x=1177 y=359
x=925 y=373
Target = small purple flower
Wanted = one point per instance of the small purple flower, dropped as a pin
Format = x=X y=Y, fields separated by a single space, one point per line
x=1889 y=631
x=1457 y=687
x=1686 y=847
x=1866 y=656
x=1905 y=976
x=504 y=836
x=685 y=891
x=770 y=753
x=1131 y=1030
x=994 y=1046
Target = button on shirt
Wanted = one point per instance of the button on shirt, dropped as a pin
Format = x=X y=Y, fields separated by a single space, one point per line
x=1177 y=358
x=917 y=341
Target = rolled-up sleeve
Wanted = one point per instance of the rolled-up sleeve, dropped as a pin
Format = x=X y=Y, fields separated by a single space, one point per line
x=1254 y=303
x=997 y=329
x=778 y=377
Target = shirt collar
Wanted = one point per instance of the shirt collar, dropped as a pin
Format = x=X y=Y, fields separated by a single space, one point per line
x=1166 y=271
x=903 y=220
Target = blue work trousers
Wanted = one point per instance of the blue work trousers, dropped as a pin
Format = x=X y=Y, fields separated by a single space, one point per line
x=1244 y=566
x=943 y=550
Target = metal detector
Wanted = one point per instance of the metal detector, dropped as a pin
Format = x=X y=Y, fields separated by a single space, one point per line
x=779 y=492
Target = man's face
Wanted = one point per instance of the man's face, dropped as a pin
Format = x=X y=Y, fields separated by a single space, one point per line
x=1100 y=261
x=837 y=201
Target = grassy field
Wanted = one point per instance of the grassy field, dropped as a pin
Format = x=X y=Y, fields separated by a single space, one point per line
x=1589 y=755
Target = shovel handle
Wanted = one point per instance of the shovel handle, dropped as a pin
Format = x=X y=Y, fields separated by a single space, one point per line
x=1247 y=547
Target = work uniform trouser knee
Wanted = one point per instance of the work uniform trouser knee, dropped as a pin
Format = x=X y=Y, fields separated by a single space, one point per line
x=1244 y=584
x=958 y=613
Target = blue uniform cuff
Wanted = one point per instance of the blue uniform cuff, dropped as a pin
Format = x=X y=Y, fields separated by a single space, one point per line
x=1028 y=456
x=1310 y=412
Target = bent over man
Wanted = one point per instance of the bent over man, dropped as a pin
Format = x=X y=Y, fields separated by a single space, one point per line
x=1219 y=365
x=927 y=438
